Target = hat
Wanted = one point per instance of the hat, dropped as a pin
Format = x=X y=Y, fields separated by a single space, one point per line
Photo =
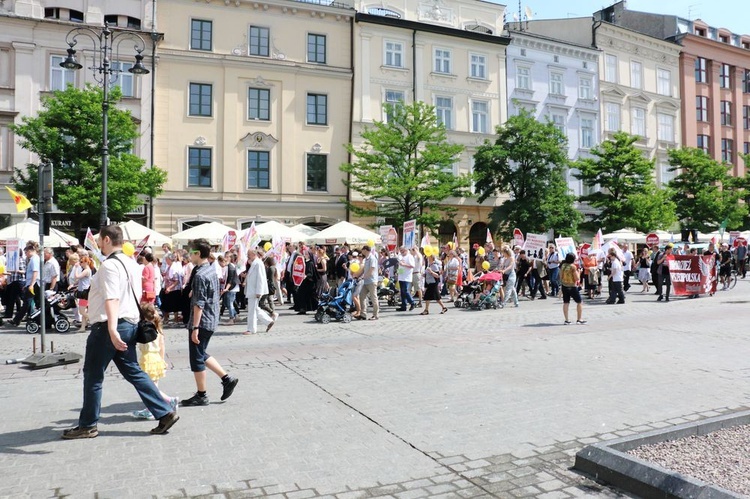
x=354 y=253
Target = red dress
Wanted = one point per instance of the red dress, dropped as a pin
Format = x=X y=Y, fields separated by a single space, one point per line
x=149 y=296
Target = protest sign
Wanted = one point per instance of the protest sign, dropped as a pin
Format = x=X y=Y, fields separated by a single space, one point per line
x=565 y=245
x=535 y=244
x=692 y=274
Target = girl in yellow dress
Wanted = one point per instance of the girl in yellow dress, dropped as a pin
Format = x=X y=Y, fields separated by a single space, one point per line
x=152 y=360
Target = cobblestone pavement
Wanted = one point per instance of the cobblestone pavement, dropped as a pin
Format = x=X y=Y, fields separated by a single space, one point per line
x=467 y=404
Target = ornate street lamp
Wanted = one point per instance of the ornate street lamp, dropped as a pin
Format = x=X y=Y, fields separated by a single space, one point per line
x=105 y=41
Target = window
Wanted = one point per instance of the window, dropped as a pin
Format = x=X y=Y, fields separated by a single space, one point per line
x=259 y=41
x=746 y=81
x=724 y=76
x=478 y=66
x=259 y=104
x=723 y=38
x=613 y=117
x=666 y=127
x=133 y=23
x=610 y=68
x=394 y=54
x=395 y=98
x=523 y=77
x=587 y=133
x=663 y=82
x=317 y=172
x=585 y=91
x=746 y=148
x=201 y=34
x=726 y=150
x=558 y=120
x=199 y=167
x=636 y=74
x=316 y=48
x=638 y=122
x=6 y=145
x=59 y=77
x=746 y=117
x=258 y=170
x=442 y=61
x=480 y=116
x=726 y=113
x=200 y=99
x=124 y=78
x=701 y=75
x=703 y=142
x=556 y=84
x=317 y=109
x=701 y=108
x=667 y=174
x=444 y=110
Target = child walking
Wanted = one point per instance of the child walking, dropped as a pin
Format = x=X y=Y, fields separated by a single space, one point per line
x=152 y=361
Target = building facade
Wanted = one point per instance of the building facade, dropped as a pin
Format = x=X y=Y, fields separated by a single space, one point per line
x=451 y=56
x=556 y=81
x=253 y=110
x=714 y=79
x=32 y=46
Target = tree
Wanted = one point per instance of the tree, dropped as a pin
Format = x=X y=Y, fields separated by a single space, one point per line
x=528 y=161
x=704 y=192
x=405 y=167
x=627 y=196
x=743 y=183
x=67 y=133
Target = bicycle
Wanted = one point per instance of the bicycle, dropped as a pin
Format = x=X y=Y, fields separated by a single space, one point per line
x=732 y=279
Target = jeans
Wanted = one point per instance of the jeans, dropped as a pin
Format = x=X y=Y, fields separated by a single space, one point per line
x=229 y=298
x=405 y=296
x=99 y=353
x=554 y=283
x=510 y=288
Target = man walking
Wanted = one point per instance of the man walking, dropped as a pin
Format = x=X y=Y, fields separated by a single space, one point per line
x=369 y=284
x=204 y=318
x=114 y=315
x=256 y=286
x=615 y=278
x=51 y=274
x=31 y=290
x=570 y=279
x=627 y=266
x=405 y=270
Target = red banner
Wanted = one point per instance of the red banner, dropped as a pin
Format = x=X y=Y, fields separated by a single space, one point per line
x=692 y=275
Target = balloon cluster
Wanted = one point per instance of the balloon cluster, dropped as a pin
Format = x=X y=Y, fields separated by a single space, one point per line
x=427 y=251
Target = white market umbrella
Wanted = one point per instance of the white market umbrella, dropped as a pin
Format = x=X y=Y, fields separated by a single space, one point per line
x=213 y=232
x=626 y=236
x=135 y=232
x=268 y=230
x=28 y=230
x=344 y=232
x=305 y=229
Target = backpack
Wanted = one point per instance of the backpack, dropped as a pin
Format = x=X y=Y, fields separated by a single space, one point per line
x=568 y=275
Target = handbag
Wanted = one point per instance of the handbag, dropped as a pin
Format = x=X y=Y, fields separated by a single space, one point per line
x=146 y=331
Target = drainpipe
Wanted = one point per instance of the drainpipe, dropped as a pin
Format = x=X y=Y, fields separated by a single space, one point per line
x=414 y=63
x=351 y=114
x=594 y=26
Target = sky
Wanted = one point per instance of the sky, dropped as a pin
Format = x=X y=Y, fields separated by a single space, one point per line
x=716 y=13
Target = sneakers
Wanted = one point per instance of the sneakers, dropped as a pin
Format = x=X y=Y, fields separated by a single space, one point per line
x=80 y=432
x=228 y=385
x=411 y=307
x=165 y=423
x=567 y=323
x=143 y=414
x=195 y=400
x=580 y=322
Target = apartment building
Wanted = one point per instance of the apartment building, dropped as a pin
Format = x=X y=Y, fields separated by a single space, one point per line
x=714 y=77
x=32 y=46
x=639 y=84
x=451 y=55
x=253 y=111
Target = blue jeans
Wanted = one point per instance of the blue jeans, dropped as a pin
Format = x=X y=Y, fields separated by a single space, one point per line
x=554 y=283
x=405 y=296
x=229 y=298
x=99 y=353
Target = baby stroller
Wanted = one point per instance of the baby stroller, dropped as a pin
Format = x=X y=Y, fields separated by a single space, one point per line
x=469 y=292
x=487 y=301
x=338 y=306
x=55 y=303
x=388 y=293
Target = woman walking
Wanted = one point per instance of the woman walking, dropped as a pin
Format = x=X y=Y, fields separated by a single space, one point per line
x=452 y=268
x=432 y=280
x=305 y=299
x=644 y=270
x=508 y=269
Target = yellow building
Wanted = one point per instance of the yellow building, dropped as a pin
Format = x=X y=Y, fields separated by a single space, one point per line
x=252 y=108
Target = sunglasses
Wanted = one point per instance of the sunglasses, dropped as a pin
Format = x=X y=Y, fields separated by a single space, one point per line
x=195 y=252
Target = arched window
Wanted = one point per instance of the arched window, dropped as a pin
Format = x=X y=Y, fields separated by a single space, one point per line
x=381 y=11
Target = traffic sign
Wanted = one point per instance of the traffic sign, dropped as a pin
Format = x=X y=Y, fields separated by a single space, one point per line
x=652 y=239
x=391 y=239
x=298 y=270
x=739 y=241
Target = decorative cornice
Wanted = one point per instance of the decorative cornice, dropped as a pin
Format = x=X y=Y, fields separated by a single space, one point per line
x=259 y=140
x=559 y=48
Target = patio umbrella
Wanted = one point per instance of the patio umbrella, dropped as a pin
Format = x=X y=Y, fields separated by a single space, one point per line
x=627 y=236
x=305 y=229
x=491 y=276
x=28 y=230
x=268 y=230
x=214 y=232
x=344 y=232
x=133 y=231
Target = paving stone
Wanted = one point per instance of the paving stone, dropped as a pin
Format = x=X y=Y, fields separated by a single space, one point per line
x=557 y=494
x=551 y=485
x=525 y=492
x=301 y=494
x=412 y=494
x=441 y=488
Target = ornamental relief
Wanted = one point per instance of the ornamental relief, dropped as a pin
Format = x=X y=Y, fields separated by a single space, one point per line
x=259 y=140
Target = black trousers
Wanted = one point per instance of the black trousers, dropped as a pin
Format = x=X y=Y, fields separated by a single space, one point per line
x=26 y=305
x=12 y=298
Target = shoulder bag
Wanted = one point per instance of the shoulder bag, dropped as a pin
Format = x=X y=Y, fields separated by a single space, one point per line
x=146 y=331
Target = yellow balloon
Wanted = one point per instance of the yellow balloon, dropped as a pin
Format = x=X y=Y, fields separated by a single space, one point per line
x=354 y=267
x=428 y=251
x=128 y=248
x=486 y=265
x=480 y=251
x=386 y=281
x=371 y=243
x=267 y=246
x=436 y=251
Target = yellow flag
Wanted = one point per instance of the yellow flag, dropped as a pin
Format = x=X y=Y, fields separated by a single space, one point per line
x=22 y=204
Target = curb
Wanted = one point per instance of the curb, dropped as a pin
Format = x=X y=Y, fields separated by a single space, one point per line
x=609 y=462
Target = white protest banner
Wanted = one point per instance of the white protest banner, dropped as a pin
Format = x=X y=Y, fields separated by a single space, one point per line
x=565 y=245
x=612 y=244
x=535 y=244
x=410 y=233
x=13 y=254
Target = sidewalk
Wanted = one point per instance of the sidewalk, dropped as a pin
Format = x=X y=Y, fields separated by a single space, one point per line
x=470 y=403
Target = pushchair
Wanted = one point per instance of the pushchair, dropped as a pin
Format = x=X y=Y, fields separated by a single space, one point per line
x=55 y=303
x=336 y=307
x=388 y=292
x=489 y=300
x=469 y=292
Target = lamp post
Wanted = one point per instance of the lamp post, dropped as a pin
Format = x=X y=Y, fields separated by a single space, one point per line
x=106 y=43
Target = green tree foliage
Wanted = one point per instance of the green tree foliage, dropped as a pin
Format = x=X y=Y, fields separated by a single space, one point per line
x=405 y=167
x=527 y=161
x=704 y=192
x=67 y=132
x=628 y=196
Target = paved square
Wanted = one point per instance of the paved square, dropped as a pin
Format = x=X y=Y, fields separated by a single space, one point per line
x=470 y=403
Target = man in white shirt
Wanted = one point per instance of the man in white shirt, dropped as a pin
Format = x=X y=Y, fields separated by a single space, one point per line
x=627 y=265
x=405 y=271
x=51 y=270
x=615 y=278
x=256 y=285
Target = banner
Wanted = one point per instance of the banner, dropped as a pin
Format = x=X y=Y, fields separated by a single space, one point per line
x=425 y=240
x=230 y=240
x=535 y=244
x=251 y=238
x=598 y=241
x=13 y=254
x=565 y=245
x=141 y=246
x=517 y=237
x=410 y=233
x=90 y=243
x=692 y=274
x=612 y=244
x=488 y=239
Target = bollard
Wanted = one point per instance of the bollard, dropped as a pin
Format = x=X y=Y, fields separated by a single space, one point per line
x=33 y=345
x=52 y=346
